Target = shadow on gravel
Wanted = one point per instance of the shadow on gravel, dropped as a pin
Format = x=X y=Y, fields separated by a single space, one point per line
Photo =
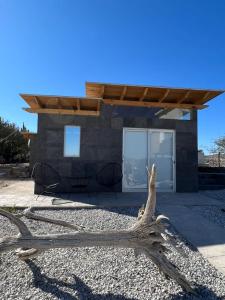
x=56 y=287
x=202 y=292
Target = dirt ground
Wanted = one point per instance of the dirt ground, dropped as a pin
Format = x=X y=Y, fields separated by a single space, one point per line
x=16 y=186
x=6 y=183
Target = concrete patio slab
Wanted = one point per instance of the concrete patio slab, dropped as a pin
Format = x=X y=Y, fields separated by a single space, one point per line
x=207 y=237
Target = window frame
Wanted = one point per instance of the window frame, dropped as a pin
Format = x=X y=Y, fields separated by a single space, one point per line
x=189 y=112
x=64 y=142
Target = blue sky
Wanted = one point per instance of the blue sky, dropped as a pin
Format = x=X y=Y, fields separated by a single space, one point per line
x=54 y=46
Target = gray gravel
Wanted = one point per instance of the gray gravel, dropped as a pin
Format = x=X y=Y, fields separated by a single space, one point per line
x=99 y=273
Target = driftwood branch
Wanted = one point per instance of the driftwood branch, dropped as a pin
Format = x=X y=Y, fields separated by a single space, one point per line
x=148 y=235
x=21 y=226
x=28 y=213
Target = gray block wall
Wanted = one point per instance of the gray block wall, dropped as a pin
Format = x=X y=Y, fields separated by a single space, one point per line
x=101 y=149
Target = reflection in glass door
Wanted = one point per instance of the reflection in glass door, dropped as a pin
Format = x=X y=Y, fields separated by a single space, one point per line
x=161 y=154
x=135 y=148
x=142 y=148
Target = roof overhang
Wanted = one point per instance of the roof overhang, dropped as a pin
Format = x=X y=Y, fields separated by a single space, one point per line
x=119 y=94
x=150 y=96
x=62 y=105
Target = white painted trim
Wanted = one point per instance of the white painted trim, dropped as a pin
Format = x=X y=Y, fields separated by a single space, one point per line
x=124 y=189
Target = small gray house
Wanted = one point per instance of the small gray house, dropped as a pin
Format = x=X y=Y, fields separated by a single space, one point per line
x=105 y=140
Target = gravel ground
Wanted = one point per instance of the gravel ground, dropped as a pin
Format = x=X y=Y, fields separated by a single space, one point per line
x=99 y=273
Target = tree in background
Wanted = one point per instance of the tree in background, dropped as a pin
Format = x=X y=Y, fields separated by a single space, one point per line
x=13 y=146
x=219 y=145
x=216 y=158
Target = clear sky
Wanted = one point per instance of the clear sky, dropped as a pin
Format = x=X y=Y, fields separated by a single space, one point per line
x=54 y=46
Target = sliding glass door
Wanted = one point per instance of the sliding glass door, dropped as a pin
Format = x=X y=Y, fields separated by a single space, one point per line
x=142 y=148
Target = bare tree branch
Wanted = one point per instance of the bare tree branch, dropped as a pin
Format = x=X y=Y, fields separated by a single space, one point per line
x=30 y=215
x=151 y=201
x=22 y=227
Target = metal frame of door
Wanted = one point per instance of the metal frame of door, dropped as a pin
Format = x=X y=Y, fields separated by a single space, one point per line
x=125 y=189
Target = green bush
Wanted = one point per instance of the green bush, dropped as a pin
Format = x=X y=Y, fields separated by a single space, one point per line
x=13 y=146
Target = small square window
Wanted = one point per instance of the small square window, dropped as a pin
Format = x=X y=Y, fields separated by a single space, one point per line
x=71 y=141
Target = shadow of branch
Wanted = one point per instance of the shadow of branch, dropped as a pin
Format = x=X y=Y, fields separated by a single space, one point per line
x=55 y=287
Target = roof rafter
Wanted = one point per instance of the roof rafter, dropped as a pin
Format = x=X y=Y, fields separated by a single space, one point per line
x=78 y=104
x=99 y=105
x=102 y=91
x=144 y=94
x=165 y=95
x=123 y=93
x=205 y=96
x=37 y=101
x=59 y=103
x=184 y=97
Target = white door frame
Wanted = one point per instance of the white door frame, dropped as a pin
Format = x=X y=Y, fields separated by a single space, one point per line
x=124 y=189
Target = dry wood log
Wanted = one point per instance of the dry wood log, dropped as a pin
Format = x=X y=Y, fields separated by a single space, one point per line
x=148 y=235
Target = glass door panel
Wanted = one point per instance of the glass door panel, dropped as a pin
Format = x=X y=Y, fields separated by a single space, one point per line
x=135 y=158
x=161 y=154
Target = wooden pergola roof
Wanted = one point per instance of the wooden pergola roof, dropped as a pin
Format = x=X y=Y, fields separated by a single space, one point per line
x=119 y=94
x=62 y=105
x=150 y=96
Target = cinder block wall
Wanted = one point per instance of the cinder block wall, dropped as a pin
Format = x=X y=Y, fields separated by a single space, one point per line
x=101 y=144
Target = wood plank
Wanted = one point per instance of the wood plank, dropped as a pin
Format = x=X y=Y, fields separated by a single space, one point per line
x=123 y=93
x=78 y=104
x=102 y=91
x=37 y=101
x=144 y=94
x=98 y=106
x=153 y=104
x=184 y=97
x=62 y=111
x=205 y=96
x=165 y=95
x=59 y=103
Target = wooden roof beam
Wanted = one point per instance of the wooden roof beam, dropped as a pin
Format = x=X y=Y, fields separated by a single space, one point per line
x=98 y=105
x=59 y=103
x=78 y=104
x=123 y=93
x=37 y=101
x=153 y=104
x=205 y=96
x=144 y=94
x=164 y=96
x=184 y=97
x=63 y=111
x=102 y=91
